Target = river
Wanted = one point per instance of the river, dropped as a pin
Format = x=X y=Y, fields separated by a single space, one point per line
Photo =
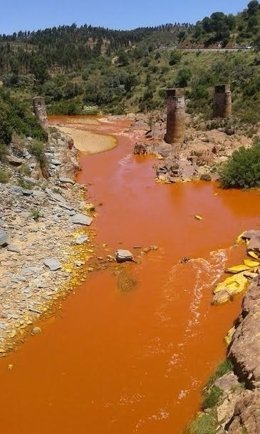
x=113 y=362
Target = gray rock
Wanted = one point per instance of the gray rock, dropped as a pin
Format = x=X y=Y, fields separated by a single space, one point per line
x=3 y=238
x=81 y=219
x=26 y=192
x=56 y=162
x=13 y=248
x=81 y=239
x=16 y=189
x=247 y=235
x=254 y=243
x=31 y=180
x=29 y=271
x=56 y=197
x=124 y=255
x=66 y=180
x=52 y=263
x=14 y=161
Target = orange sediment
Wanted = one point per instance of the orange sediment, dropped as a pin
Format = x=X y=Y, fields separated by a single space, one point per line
x=133 y=362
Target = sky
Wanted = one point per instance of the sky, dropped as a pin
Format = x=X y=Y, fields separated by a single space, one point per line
x=117 y=14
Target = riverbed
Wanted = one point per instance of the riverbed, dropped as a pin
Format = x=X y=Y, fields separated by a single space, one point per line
x=113 y=361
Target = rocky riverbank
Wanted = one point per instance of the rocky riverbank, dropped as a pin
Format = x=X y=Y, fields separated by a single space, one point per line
x=43 y=238
x=231 y=398
x=206 y=145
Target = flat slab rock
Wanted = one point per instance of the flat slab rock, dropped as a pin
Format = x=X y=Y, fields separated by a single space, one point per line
x=52 y=263
x=82 y=219
x=81 y=239
x=66 y=180
x=124 y=255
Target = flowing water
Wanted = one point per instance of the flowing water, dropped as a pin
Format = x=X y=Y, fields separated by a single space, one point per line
x=134 y=362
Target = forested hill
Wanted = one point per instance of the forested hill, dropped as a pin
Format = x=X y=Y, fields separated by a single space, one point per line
x=117 y=71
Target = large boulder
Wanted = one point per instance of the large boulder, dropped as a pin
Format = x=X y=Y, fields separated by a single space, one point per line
x=244 y=350
x=246 y=417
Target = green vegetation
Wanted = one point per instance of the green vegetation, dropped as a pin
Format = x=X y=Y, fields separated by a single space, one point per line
x=16 y=117
x=205 y=423
x=229 y=30
x=211 y=397
x=25 y=184
x=3 y=151
x=37 y=149
x=242 y=170
x=4 y=176
x=128 y=71
x=222 y=369
x=36 y=214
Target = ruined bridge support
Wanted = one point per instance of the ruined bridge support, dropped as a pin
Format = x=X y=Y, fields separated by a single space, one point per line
x=222 y=102
x=40 y=111
x=175 y=129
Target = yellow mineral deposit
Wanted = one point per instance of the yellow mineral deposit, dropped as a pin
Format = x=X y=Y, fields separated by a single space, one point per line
x=237 y=269
x=250 y=263
x=233 y=285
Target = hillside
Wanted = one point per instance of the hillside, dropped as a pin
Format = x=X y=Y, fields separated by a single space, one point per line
x=88 y=69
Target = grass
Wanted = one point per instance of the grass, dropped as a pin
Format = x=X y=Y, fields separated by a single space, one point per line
x=222 y=369
x=4 y=176
x=3 y=151
x=205 y=423
x=211 y=397
x=36 y=214
x=25 y=184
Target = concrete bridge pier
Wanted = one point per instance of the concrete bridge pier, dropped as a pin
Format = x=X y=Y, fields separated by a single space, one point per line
x=222 y=102
x=175 y=129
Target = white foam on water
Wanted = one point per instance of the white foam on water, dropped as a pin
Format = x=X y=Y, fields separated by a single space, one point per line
x=161 y=414
x=207 y=273
x=124 y=162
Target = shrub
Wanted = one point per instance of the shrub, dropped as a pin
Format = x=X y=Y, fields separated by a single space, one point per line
x=222 y=369
x=205 y=423
x=183 y=77
x=242 y=170
x=3 y=151
x=36 y=214
x=25 y=184
x=211 y=397
x=175 y=57
x=4 y=176
x=37 y=149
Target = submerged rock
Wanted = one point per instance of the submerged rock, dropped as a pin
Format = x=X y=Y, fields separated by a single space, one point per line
x=36 y=331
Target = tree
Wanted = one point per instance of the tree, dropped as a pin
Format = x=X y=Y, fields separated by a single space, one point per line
x=253 y=7
x=183 y=77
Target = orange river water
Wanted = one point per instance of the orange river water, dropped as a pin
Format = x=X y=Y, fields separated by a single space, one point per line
x=113 y=363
